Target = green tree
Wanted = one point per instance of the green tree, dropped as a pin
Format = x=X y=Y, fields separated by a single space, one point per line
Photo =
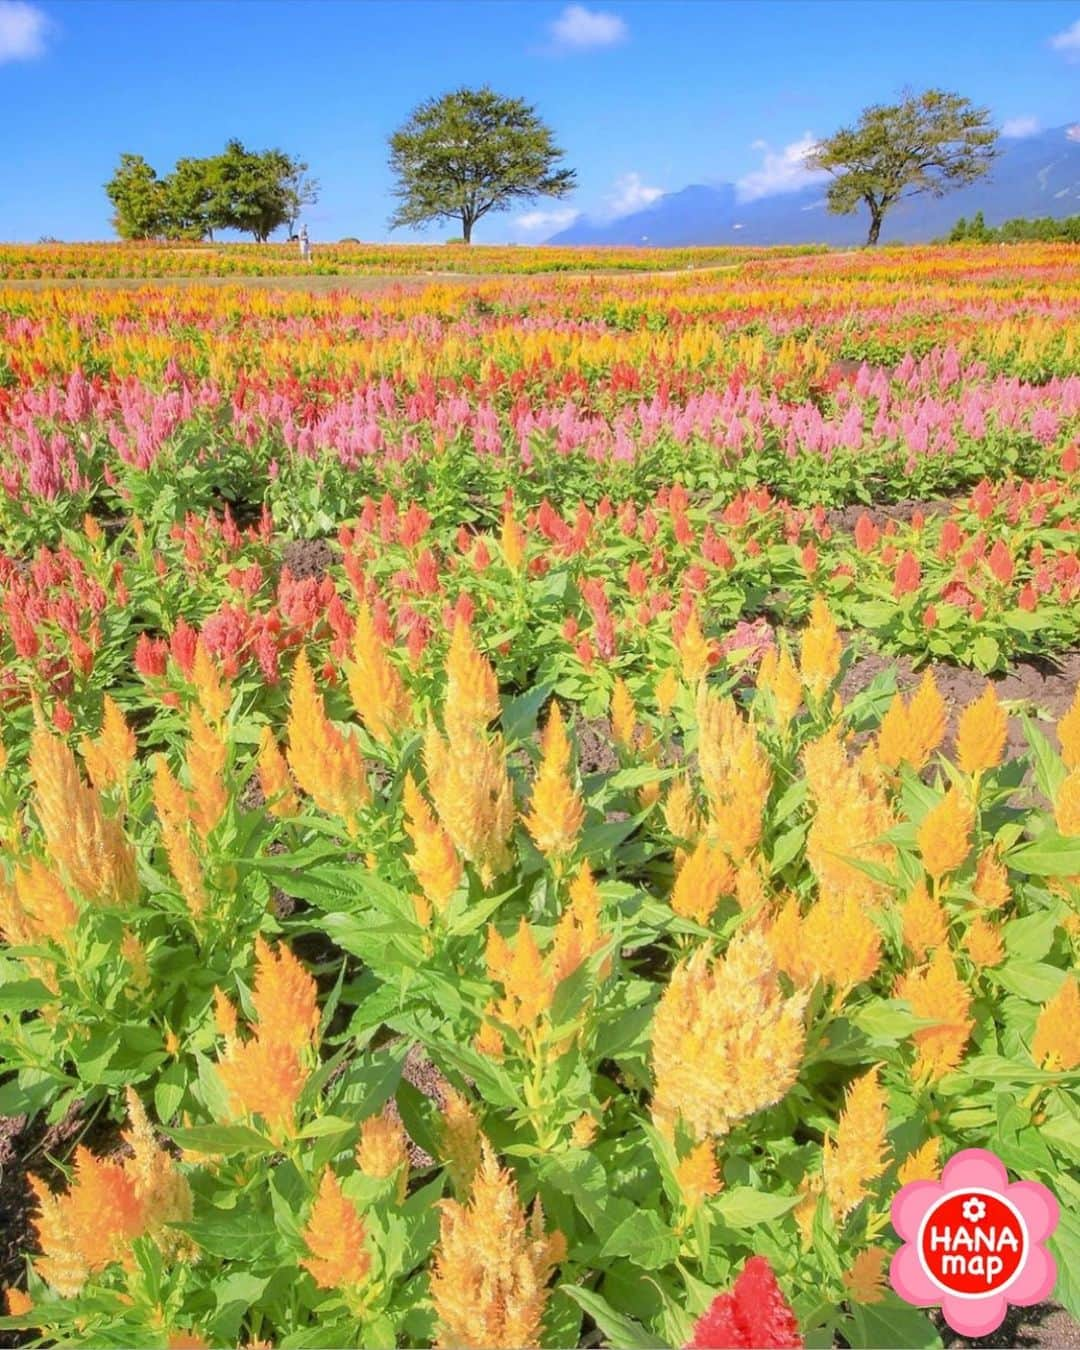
x=191 y=190
x=139 y=198
x=470 y=152
x=254 y=191
x=928 y=143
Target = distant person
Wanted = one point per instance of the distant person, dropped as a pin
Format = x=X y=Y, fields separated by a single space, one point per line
x=305 y=244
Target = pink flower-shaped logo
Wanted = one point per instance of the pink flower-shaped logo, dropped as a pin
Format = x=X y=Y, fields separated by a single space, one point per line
x=973 y=1242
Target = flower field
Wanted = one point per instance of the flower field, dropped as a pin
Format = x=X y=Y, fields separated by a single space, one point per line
x=31 y=262
x=531 y=807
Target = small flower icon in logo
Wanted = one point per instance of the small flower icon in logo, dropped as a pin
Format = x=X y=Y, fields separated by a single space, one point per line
x=974 y=1209
x=974 y=1242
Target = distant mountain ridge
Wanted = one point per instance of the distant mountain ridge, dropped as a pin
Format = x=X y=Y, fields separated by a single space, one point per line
x=1036 y=176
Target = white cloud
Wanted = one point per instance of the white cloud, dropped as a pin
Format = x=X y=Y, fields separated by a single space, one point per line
x=1016 y=128
x=537 y=222
x=23 y=28
x=1068 y=41
x=781 y=170
x=1073 y=133
x=631 y=194
x=579 y=29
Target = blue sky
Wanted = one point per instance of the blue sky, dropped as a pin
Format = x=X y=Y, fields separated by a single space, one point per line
x=644 y=96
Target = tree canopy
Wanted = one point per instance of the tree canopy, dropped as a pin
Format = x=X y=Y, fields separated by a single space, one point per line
x=470 y=152
x=928 y=143
x=140 y=199
x=252 y=191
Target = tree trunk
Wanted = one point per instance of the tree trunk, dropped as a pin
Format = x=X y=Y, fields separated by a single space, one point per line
x=466 y=228
x=875 y=229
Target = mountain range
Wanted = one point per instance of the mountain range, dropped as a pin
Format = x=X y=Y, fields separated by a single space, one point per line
x=1036 y=176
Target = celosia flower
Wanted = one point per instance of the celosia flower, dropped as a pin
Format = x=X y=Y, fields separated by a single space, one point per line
x=623 y=716
x=725 y=1041
x=459 y=1140
x=911 y=732
x=492 y=1265
x=850 y=818
x=697 y=1175
x=680 y=811
x=926 y=720
x=336 y=1238
x=213 y=694
x=285 y=997
x=106 y=1206
x=779 y=676
x=667 y=688
x=736 y=773
x=1056 y=1043
x=274 y=780
x=925 y=925
x=377 y=690
x=47 y=909
x=694 y=651
x=88 y=845
x=160 y=1187
x=327 y=764
x=1067 y=804
x=19 y=1303
x=840 y=944
x=704 y=877
x=472 y=691
x=860 y=1152
x=922 y=1165
x=383 y=1150
x=473 y=797
x=939 y=995
x=579 y=932
x=557 y=812
x=173 y=809
x=983 y=944
x=820 y=657
x=520 y=969
x=944 y=836
x=981 y=733
x=866 y=1281
x=1068 y=730
x=435 y=863
x=264 y=1079
x=512 y=542
x=991 y=885
x=753 y=1315
x=109 y=757
x=207 y=755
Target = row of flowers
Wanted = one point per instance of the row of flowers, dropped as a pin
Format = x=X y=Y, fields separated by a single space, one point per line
x=692 y=1011
x=573 y=599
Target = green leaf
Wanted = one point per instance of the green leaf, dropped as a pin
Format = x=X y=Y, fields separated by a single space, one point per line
x=892 y=1323
x=223 y=1139
x=786 y=848
x=580 y=1175
x=1030 y=938
x=985 y=653
x=643 y=1239
x=1032 y=980
x=519 y=714
x=1049 y=770
x=23 y=995
x=1051 y=855
x=1065 y=1247
x=622 y=1333
x=745 y=1207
